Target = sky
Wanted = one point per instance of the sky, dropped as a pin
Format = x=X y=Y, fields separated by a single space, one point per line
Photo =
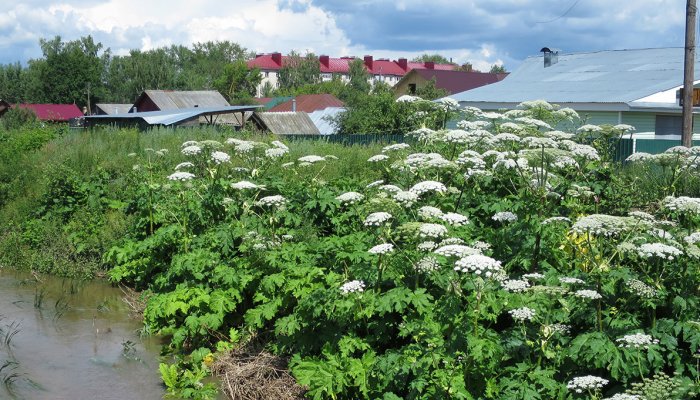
x=483 y=32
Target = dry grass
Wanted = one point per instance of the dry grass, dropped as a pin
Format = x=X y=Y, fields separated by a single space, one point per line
x=136 y=301
x=251 y=373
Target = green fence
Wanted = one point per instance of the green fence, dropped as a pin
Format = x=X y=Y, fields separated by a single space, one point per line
x=627 y=147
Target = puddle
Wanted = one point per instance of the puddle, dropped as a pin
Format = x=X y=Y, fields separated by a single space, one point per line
x=68 y=340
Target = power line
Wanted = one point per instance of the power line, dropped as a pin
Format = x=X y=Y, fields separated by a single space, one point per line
x=561 y=16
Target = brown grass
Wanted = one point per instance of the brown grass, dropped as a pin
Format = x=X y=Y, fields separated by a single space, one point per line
x=136 y=301
x=251 y=373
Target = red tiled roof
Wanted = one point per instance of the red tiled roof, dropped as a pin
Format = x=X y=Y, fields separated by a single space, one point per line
x=310 y=103
x=459 y=81
x=54 y=112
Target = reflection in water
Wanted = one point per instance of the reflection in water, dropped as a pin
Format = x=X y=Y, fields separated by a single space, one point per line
x=60 y=339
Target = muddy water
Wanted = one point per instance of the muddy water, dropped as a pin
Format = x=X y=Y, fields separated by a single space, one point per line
x=65 y=340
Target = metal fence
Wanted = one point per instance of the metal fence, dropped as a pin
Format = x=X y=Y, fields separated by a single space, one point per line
x=354 y=139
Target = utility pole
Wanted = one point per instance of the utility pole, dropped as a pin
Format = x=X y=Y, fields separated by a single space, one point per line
x=689 y=74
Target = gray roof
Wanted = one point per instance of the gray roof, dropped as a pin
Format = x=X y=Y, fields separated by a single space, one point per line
x=322 y=119
x=174 y=99
x=286 y=123
x=168 y=117
x=110 y=109
x=613 y=76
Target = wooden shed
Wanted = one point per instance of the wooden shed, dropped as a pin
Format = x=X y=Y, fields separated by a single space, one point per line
x=284 y=123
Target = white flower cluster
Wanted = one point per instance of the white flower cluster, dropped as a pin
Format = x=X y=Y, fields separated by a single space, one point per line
x=558 y=328
x=570 y=281
x=692 y=238
x=271 y=201
x=588 y=294
x=624 y=396
x=454 y=219
x=275 y=152
x=384 y=248
x=683 y=204
x=479 y=264
x=504 y=216
x=428 y=186
x=245 y=185
x=311 y=159
x=429 y=212
x=191 y=150
x=352 y=287
x=395 y=147
x=182 y=165
x=533 y=276
x=585 y=152
x=181 y=176
x=378 y=158
x=603 y=225
x=641 y=288
x=637 y=340
x=427 y=265
x=659 y=250
x=639 y=157
x=219 y=157
x=522 y=314
x=350 y=198
x=581 y=384
x=377 y=218
x=456 y=250
x=515 y=285
x=405 y=198
x=451 y=240
x=589 y=128
x=553 y=220
x=428 y=245
x=428 y=230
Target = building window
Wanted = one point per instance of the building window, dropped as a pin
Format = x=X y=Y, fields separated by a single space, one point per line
x=267 y=74
x=668 y=125
x=411 y=88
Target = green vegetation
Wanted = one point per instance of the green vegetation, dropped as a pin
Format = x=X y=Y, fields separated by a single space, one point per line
x=503 y=260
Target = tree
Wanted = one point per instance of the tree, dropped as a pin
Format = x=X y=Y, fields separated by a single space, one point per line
x=431 y=92
x=11 y=83
x=436 y=58
x=298 y=71
x=466 y=67
x=497 y=69
x=359 y=77
x=237 y=82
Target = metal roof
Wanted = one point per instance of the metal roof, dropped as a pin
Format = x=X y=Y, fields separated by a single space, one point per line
x=285 y=123
x=169 y=117
x=180 y=99
x=323 y=119
x=54 y=112
x=309 y=103
x=110 y=109
x=612 y=76
x=455 y=81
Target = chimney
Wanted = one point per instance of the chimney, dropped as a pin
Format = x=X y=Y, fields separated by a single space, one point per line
x=277 y=58
x=429 y=65
x=294 y=105
x=369 y=62
x=403 y=64
x=551 y=57
x=325 y=61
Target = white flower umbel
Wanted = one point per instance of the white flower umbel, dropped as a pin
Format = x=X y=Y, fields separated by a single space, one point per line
x=589 y=128
x=377 y=218
x=624 y=396
x=683 y=204
x=515 y=285
x=350 y=198
x=625 y=127
x=405 y=198
x=693 y=238
x=571 y=281
x=428 y=245
x=219 y=157
x=588 y=294
x=427 y=265
x=428 y=186
x=395 y=147
x=429 y=212
x=433 y=231
x=271 y=201
x=452 y=240
x=389 y=188
x=479 y=264
x=275 y=152
x=533 y=276
x=245 y=185
x=586 y=383
x=522 y=314
x=311 y=159
x=603 y=225
x=184 y=165
x=456 y=250
x=639 y=157
x=181 y=176
x=352 y=287
x=192 y=150
x=455 y=219
x=640 y=288
x=585 y=152
x=658 y=250
x=637 y=341
x=553 y=220
x=384 y=248
x=374 y=184
x=378 y=158
x=504 y=216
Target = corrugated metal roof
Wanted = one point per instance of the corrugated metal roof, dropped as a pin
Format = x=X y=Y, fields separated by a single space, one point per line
x=170 y=117
x=54 y=112
x=110 y=109
x=176 y=99
x=613 y=76
x=309 y=103
x=285 y=123
x=457 y=81
x=322 y=119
